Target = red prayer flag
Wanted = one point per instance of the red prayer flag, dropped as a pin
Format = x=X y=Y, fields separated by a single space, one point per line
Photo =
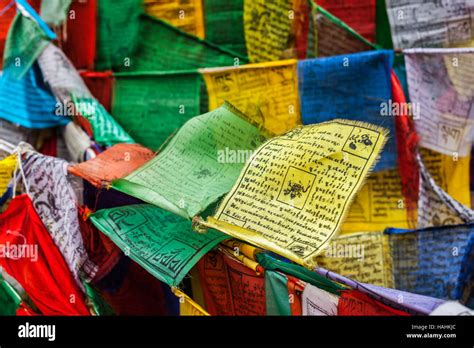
x=79 y=42
x=354 y=302
x=29 y=255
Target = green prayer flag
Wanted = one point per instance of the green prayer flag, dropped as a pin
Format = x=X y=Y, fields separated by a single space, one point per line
x=276 y=291
x=162 y=243
x=106 y=130
x=9 y=299
x=224 y=22
x=25 y=42
x=117 y=31
x=162 y=47
x=383 y=33
x=162 y=102
x=55 y=11
x=270 y=263
x=96 y=301
x=199 y=165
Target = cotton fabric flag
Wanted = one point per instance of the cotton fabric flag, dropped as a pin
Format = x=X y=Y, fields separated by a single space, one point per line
x=316 y=301
x=359 y=15
x=7 y=167
x=452 y=308
x=230 y=288
x=355 y=86
x=270 y=29
x=161 y=242
x=408 y=302
x=101 y=250
x=118 y=31
x=329 y=36
x=356 y=303
x=309 y=167
x=378 y=204
x=9 y=299
x=163 y=102
x=54 y=199
x=78 y=144
x=28 y=101
x=96 y=303
x=266 y=92
x=433 y=261
x=183 y=51
x=193 y=171
x=8 y=13
x=364 y=256
x=60 y=75
x=55 y=12
x=12 y=295
x=276 y=294
x=75 y=99
x=296 y=271
x=45 y=277
x=450 y=175
x=104 y=127
x=224 y=24
x=100 y=84
x=14 y=133
x=115 y=162
x=431 y=24
x=183 y=14
x=436 y=207
x=440 y=82
x=187 y=307
x=80 y=34
x=25 y=42
x=383 y=34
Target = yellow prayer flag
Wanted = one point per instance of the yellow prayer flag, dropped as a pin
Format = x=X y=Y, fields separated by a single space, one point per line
x=7 y=166
x=363 y=256
x=293 y=193
x=378 y=205
x=187 y=307
x=450 y=173
x=266 y=92
x=186 y=15
x=380 y=202
x=269 y=28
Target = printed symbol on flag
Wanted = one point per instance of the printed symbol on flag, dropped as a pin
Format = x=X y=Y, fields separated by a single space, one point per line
x=224 y=83
x=296 y=187
x=202 y=173
x=361 y=142
x=300 y=249
x=293 y=134
x=450 y=136
x=440 y=220
x=295 y=190
x=172 y=257
x=259 y=21
x=121 y=219
x=213 y=261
